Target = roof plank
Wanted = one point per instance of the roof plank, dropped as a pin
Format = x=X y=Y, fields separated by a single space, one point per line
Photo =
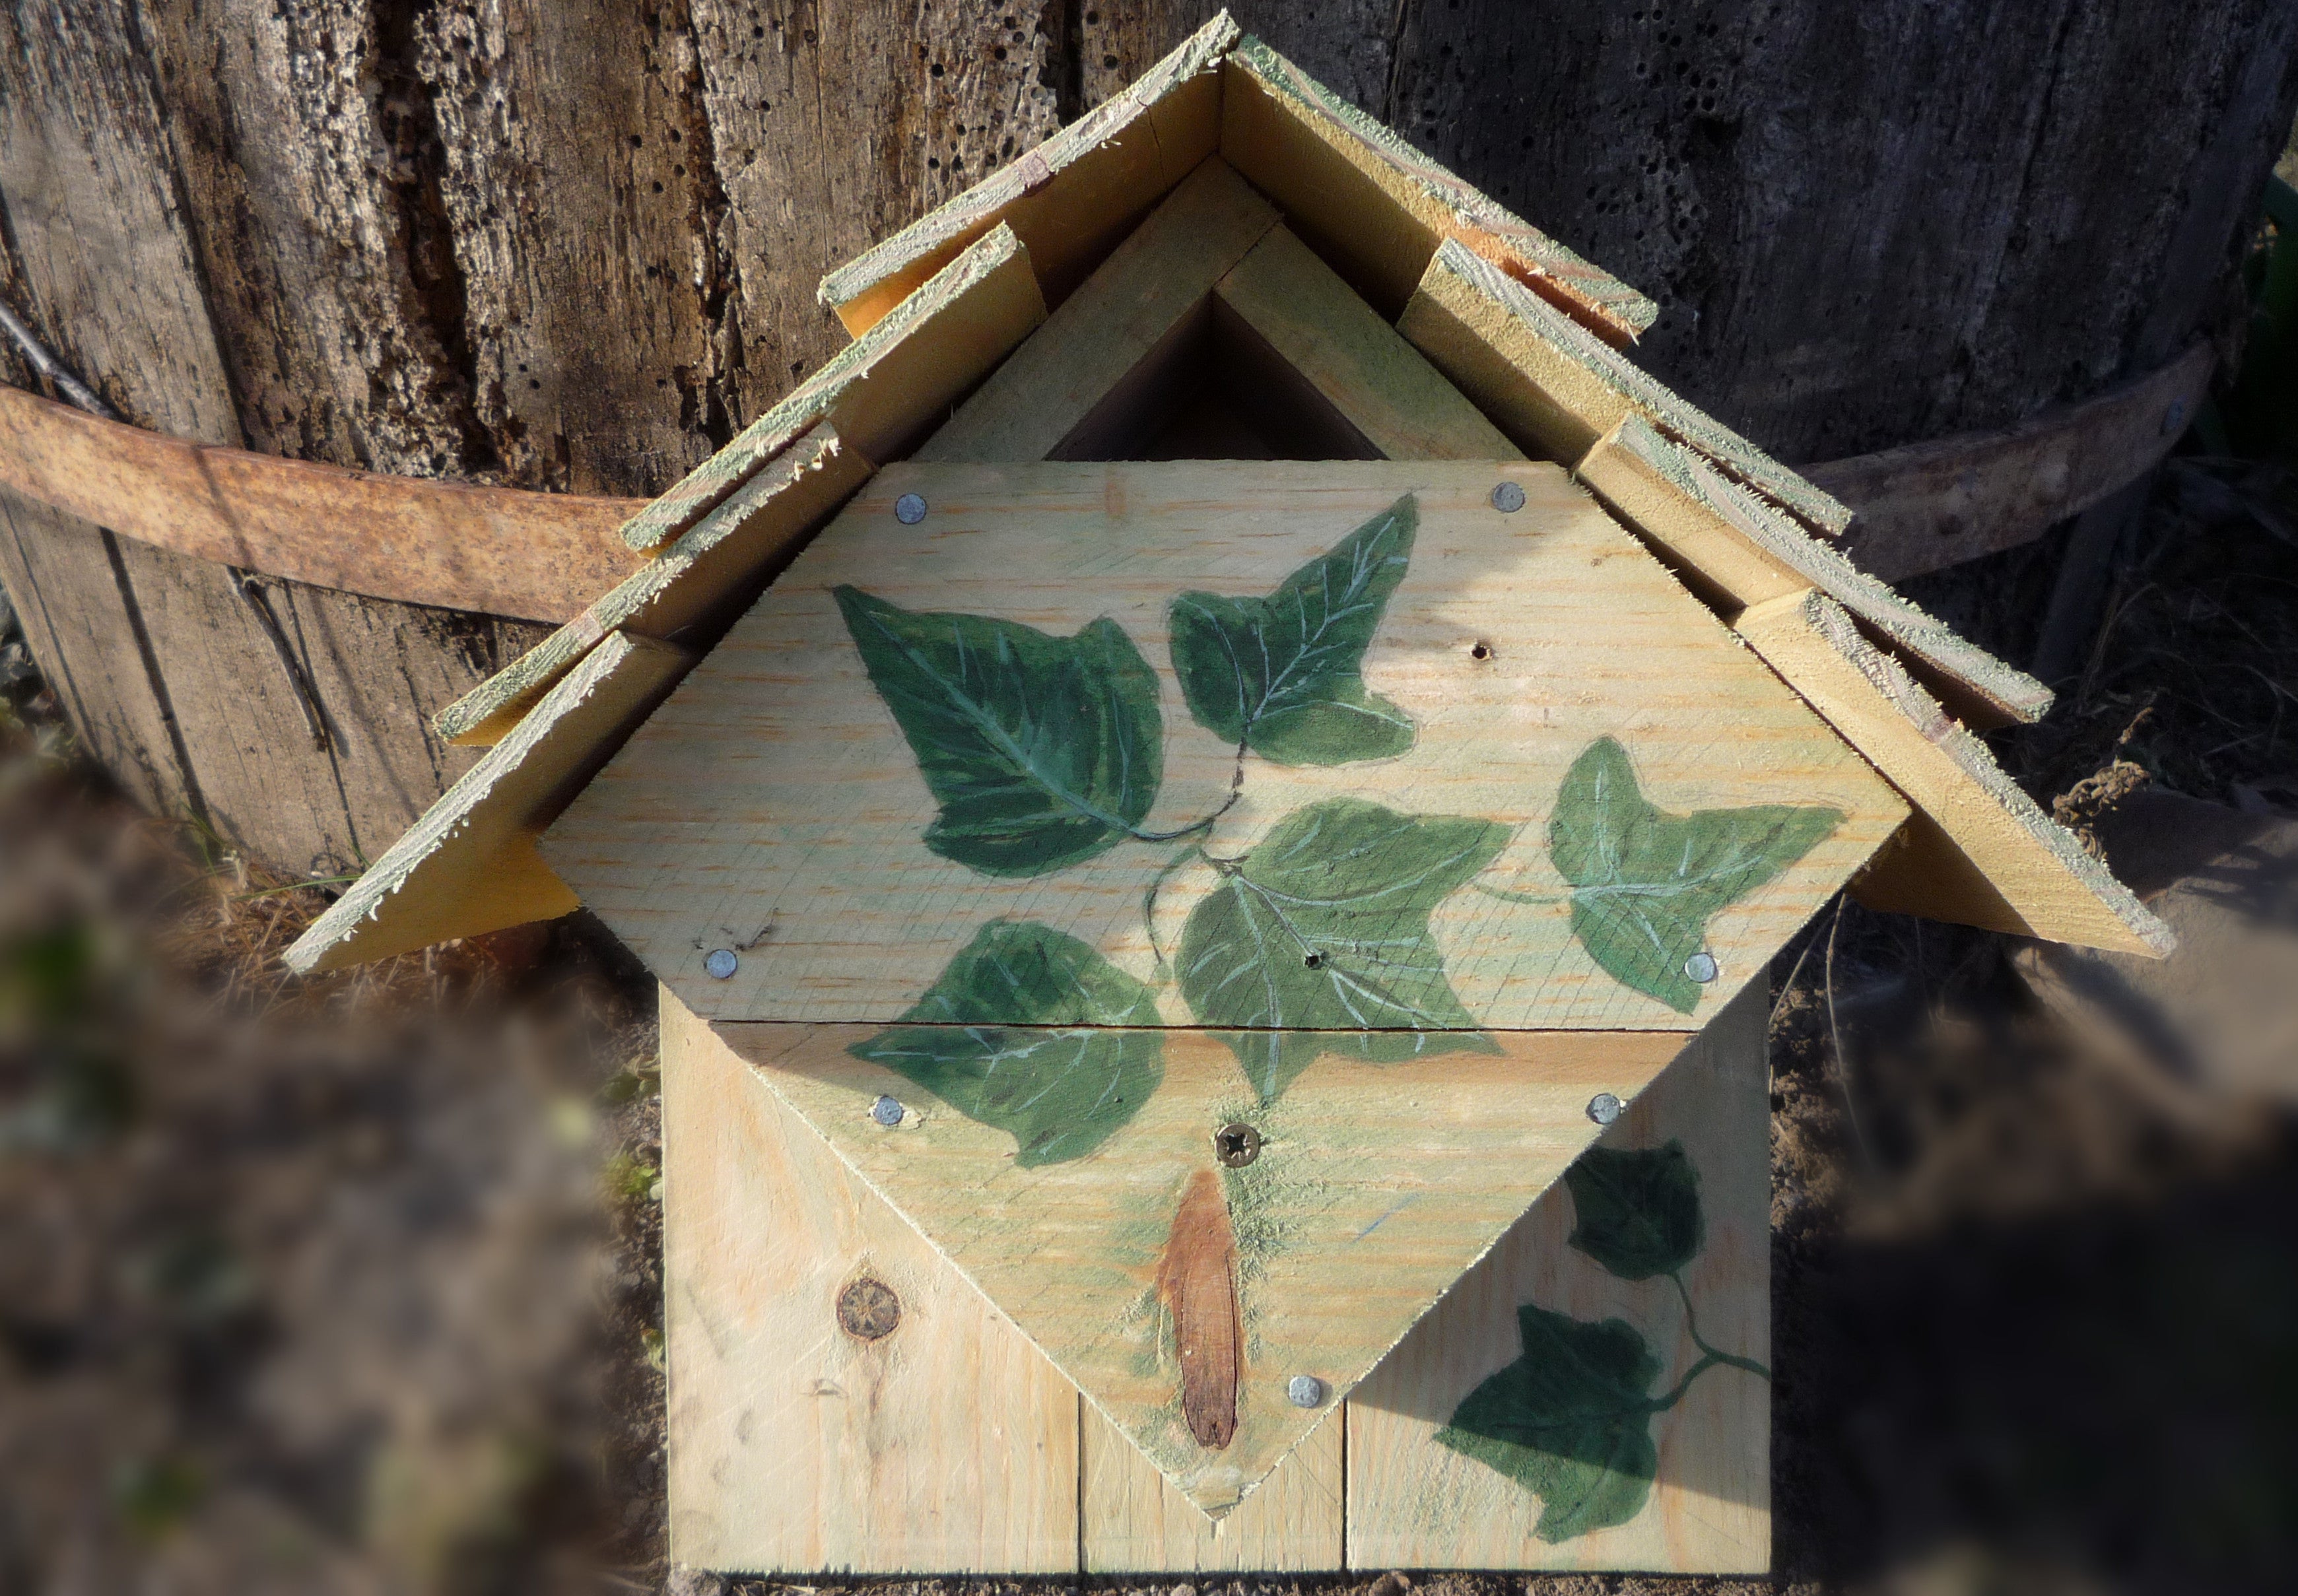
x=469 y=864
x=1978 y=851
x=1557 y=390
x=1736 y=551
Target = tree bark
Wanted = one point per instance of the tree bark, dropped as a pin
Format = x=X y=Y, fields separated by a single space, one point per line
x=572 y=245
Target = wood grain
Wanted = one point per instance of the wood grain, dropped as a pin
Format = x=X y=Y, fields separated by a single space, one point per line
x=1377 y=208
x=1197 y=1283
x=702 y=576
x=1375 y=1186
x=887 y=387
x=1071 y=198
x=1735 y=551
x=537 y=557
x=1978 y=851
x=469 y=864
x=1046 y=402
x=1135 y=1522
x=1415 y=1504
x=1385 y=389
x=948 y=1446
x=774 y=788
x=1557 y=390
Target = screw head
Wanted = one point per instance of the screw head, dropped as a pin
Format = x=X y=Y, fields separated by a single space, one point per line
x=721 y=962
x=1305 y=1391
x=1604 y=1108
x=910 y=509
x=1701 y=967
x=887 y=1110
x=1237 y=1144
x=1508 y=497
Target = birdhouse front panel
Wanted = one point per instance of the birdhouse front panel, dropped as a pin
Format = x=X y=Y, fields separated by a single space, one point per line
x=1205 y=898
x=1403 y=752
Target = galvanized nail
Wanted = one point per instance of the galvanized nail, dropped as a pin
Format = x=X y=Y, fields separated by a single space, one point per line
x=721 y=962
x=1701 y=967
x=1305 y=1391
x=887 y=1110
x=910 y=509
x=1604 y=1108
x=1508 y=497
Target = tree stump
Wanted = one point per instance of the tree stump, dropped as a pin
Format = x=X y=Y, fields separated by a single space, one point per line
x=572 y=247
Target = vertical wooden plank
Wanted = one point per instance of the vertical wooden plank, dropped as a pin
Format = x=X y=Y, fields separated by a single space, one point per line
x=949 y=1445
x=1135 y=1522
x=1414 y=1503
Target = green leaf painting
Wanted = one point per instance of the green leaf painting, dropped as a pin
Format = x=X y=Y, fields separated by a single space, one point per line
x=1638 y=1209
x=1281 y=675
x=1041 y=750
x=1570 y=1421
x=989 y=1041
x=1324 y=926
x=1645 y=882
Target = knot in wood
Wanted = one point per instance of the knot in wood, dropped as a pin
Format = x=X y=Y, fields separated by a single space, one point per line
x=868 y=1310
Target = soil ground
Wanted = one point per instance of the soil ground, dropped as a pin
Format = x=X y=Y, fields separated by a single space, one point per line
x=353 y=1285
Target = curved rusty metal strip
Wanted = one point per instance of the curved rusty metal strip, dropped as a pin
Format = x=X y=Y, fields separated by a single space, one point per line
x=1925 y=505
x=537 y=557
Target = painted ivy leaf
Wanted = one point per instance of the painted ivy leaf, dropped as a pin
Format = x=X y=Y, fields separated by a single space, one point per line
x=1637 y=1210
x=1323 y=927
x=996 y=1039
x=1282 y=675
x=1041 y=750
x=1645 y=882
x=1570 y=1421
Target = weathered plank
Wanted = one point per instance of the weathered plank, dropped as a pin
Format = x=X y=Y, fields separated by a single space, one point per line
x=497 y=551
x=469 y=864
x=1072 y=387
x=1557 y=390
x=1876 y=223
x=1416 y=1504
x=887 y=387
x=1379 y=208
x=948 y=1444
x=1344 y=44
x=1978 y=851
x=1071 y=198
x=305 y=143
x=775 y=786
x=704 y=575
x=831 y=128
x=1376 y=1185
x=1135 y=1522
x=1383 y=388
x=1734 y=551
x=601 y=118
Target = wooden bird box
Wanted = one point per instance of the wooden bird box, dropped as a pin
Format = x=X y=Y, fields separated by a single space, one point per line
x=1213 y=918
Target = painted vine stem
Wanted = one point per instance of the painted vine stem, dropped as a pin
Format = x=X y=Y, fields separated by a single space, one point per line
x=1570 y=1419
x=1042 y=752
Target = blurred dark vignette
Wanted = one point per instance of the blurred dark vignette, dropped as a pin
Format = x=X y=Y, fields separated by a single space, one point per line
x=353 y=1284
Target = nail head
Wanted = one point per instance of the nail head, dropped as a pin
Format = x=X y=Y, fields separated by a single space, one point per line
x=1701 y=967
x=887 y=1110
x=910 y=509
x=1237 y=1144
x=721 y=962
x=1305 y=1391
x=1604 y=1108
x=1508 y=497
